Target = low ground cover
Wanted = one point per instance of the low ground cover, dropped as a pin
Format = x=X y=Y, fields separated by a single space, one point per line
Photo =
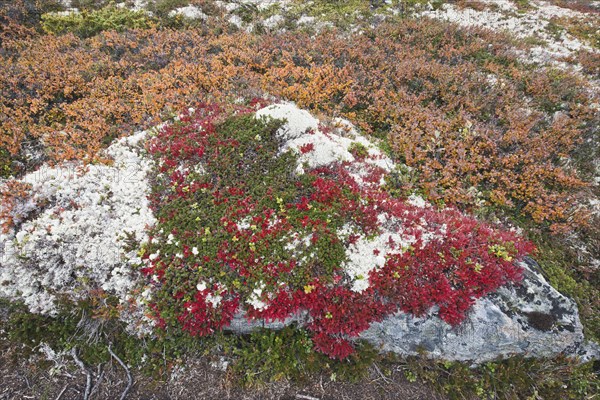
x=238 y=227
x=476 y=127
x=469 y=122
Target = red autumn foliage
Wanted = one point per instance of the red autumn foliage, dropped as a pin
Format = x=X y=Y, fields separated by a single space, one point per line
x=453 y=260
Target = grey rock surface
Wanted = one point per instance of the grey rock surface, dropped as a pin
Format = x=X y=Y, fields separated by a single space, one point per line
x=240 y=325
x=531 y=319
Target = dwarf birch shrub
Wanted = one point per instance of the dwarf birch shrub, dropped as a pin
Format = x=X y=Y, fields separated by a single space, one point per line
x=477 y=128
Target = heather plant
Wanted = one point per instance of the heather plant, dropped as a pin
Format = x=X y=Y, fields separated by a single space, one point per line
x=26 y=12
x=578 y=5
x=470 y=138
x=590 y=63
x=436 y=124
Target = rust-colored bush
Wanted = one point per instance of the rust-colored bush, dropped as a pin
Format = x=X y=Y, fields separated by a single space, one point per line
x=479 y=128
x=12 y=195
x=584 y=6
x=590 y=63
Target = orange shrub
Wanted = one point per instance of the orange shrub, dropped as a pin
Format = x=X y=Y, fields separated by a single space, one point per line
x=13 y=194
x=479 y=127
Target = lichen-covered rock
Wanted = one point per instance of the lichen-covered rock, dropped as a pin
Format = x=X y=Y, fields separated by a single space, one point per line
x=531 y=319
x=75 y=231
x=78 y=230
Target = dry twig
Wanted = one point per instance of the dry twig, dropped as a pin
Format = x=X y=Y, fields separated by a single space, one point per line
x=88 y=374
x=129 y=377
x=385 y=378
x=62 y=392
x=305 y=397
x=100 y=376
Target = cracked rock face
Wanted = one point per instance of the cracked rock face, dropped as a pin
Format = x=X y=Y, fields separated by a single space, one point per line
x=530 y=319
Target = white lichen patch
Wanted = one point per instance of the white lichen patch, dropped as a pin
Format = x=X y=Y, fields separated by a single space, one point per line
x=214 y=299
x=301 y=129
x=534 y=21
x=367 y=255
x=84 y=232
x=417 y=201
x=236 y=20
x=201 y=286
x=333 y=145
x=298 y=122
x=256 y=298
x=190 y=11
x=273 y=21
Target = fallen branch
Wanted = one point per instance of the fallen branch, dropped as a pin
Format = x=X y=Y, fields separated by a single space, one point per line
x=62 y=392
x=100 y=376
x=88 y=374
x=305 y=397
x=385 y=378
x=129 y=377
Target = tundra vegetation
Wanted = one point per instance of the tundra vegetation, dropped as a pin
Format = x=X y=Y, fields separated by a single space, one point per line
x=475 y=128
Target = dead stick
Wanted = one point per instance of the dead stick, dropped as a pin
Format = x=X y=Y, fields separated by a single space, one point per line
x=62 y=392
x=305 y=397
x=129 y=377
x=98 y=381
x=385 y=379
x=88 y=374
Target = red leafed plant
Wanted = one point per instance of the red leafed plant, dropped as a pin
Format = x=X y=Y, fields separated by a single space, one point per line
x=239 y=230
x=307 y=148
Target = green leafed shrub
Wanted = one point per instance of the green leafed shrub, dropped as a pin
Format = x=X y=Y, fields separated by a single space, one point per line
x=268 y=356
x=5 y=168
x=90 y=23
